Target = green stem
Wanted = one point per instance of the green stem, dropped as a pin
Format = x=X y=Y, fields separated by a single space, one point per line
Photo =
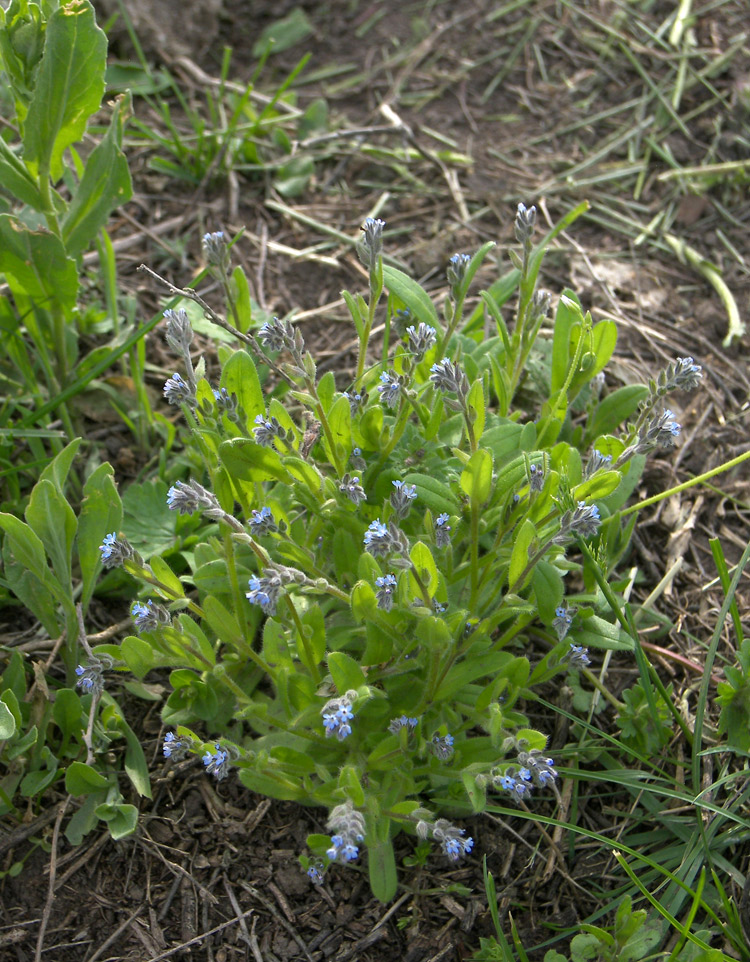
x=686 y=484
x=311 y=661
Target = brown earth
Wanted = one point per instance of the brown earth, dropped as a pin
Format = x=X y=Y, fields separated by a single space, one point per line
x=213 y=872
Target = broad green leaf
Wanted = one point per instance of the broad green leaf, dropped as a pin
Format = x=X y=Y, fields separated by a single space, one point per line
x=138 y=655
x=167 y=577
x=615 y=409
x=69 y=87
x=252 y=462
x=26 y=546
x=82 y=779
x=519 y=558
x=240 y=376
x=58 y=469
x=364 y=603
x=149 y=524
x=345 y=672
x=7 y=722
x=412 y=295
x=37 y=262
x=68 y=713
x=54 y=521
x=340 y=424
x=40 y=596
x=600 y=485
x=476 y=479
x=283 y=34
x=242 y=301
x=104 y=186
x=136 y=766
x=382 y=865
x=16 y=179
x=351 y=785
x=101 y=513
x=568 y=314
x=437 y=495
x=314 y=627
x=548 y=589
x=223 y=622
x=425 y=567
x=476 y=404
x=35 y=782
x=121 y=818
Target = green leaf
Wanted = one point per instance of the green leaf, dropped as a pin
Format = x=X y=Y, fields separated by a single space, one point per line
x=519 y=558
x=568 y=314
x=548 y=589
x=121 y=818
x=54 y=521
x=17 y=180
x=167 y=577
x=69 y=87
x=222 y=622
x=68 y=713
x=251 y=462
x=412 y=295
x=139 y=655
x=136 y=766
x=382 y=865
x=242 y=301
x=340 y=423
x=82 y=779
x=101 y=512
x=345 y=672
x=36 y=261
x=240 y=376
x=476 y=479
x=437 y=495
x=424 y=564
x=364 y=603
x=26 y=546
x=475 y=401
x=7 y=722
x=150 y=526
x=616 y=408
x=283 y=34
x=104 y=186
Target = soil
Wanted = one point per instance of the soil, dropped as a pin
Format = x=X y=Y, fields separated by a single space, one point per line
x=212 y=872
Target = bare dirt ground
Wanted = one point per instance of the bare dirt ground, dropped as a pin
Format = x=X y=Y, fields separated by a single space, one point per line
x=549 y=103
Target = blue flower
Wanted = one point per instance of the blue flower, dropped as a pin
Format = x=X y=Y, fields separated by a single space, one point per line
x=352 y=489
x=384 y=596
x=174 y=747
x=403 y=722
x=150 y=616
x=263 y=592
x=402 y=498
x=389 y=388
x=262 y=522
x=266 y=430
x=114 y=551
x=108 y=546
x=348 y=828
x=442 y=531
x=179 y=391
x=442 y=747
x=217 y=762
x=421 y=339
x=451 y=841
x=578 y=656
x=563 y=620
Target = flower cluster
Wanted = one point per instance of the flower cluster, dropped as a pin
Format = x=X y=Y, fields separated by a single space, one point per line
x=227 y=403
x=442 y=531
x=351 y=487
x=525 y=223
x=265 y=591
x=186 y=497
x=266 y=430
x=563 y=620
x=175 y=748
x=596 y=462
x=578 y=656
x=390 y=388
x=179 y=391
x=90 y=677
x=215 y=250
x=217 y=762
x=114 y=551
x=347 y=826
x=662 y=430
x=441 y=747
x=150 y=616
x=448 y=376
x=263 y=522
x=403 y=721
x=533 y=770
x=386 y=586
x=279 y=335
x=582 y=521
x=179 y=333
x=421 y=339
x=402 y=497
x=370 y=245
x=337 y=713
x=381 y=539
x=456 y=272
x=356 y=399
x=451 y=839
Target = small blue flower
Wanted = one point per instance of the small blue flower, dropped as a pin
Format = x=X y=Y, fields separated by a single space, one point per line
x=217 y=762
x=442 y=747
x=578 y=656
x=456 y=271
x=356 y=401
x=563 y=620
x=262 y=522
x=352 y=489
x=262 y=592
x=402 y=497
x=442 y=531
x=370 y=245
x=179 y=391
x=450 y=838
x=215 y=249
x=384 y=596
x=315 y=874
x=389 y=388
x=174 y=747
x=421 y=339
x=403 y=722
x=114 y=551
x=266 y=430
